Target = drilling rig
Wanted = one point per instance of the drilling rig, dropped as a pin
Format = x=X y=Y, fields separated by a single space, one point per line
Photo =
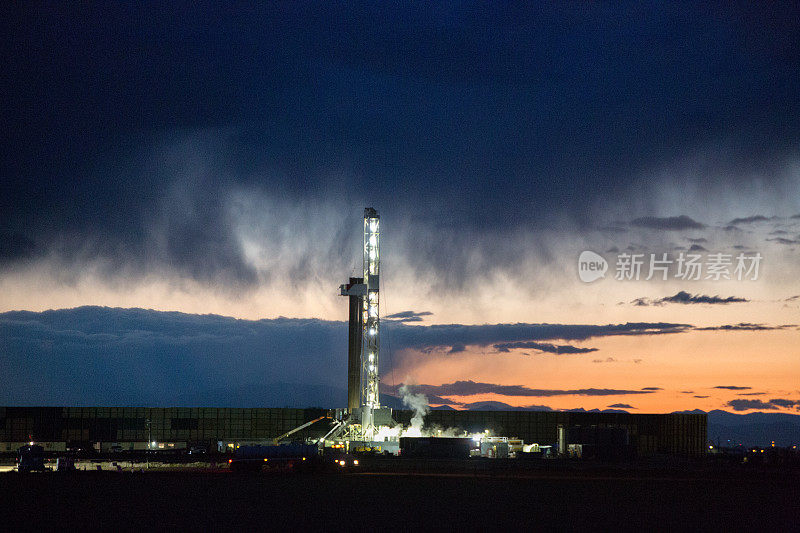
x=364 y=410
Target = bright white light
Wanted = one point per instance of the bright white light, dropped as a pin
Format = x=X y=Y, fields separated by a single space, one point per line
x=153 y=444
x=372 y=368
x=373 y=310
x=372 y=331
x=387 y=433
x=355 y=462
x=373 y=225
x=412 y=432
x=373 y=241
x=372 y=296
x=371 y=357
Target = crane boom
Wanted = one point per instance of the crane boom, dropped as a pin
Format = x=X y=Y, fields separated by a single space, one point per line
x=298 y=428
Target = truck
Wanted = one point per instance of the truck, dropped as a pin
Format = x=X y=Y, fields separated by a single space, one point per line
x=30 y=458
x=289 y=457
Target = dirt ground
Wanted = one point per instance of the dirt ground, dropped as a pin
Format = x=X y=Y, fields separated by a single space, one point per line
x=203 y=501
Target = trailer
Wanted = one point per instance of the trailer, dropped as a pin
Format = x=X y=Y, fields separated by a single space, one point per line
x=286 y=456
x=435 y=447
x=289 y=457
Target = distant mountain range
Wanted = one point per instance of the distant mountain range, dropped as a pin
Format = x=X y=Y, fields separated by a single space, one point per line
x=753 y=429
x=724 y=428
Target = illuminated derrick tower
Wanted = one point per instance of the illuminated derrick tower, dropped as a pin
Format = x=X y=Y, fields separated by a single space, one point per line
x=371 y=318
x=364 y=343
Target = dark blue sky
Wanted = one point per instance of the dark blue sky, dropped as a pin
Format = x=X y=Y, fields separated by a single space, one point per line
x=472 y=116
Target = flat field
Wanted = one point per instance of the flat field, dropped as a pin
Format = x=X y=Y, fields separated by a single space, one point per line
x=221 y=500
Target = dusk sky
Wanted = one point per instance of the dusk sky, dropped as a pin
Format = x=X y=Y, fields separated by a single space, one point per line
x=166 y=164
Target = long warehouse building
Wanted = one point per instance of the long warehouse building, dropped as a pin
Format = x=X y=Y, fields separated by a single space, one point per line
x=178 y=427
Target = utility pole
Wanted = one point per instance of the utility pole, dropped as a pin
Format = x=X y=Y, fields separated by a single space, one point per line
x=149 y=440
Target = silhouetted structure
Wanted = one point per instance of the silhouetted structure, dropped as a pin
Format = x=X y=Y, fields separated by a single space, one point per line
x=648 y=434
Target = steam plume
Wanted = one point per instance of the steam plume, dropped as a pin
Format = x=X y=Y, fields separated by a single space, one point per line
x=419 y=404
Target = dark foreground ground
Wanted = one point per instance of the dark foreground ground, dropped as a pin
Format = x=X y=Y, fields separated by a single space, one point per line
x=207 y=501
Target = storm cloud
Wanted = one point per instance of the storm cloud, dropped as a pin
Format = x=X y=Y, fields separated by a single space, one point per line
x=543 y=347
x=782 y=402
x=195 y=145
x=750 y=220
x=471 y=388
x=90 y=356
x=682 y=222
x=116 y=356
x=744 y=405
x=782 y=240
x=448 y=335
x=745 y=326
x=408 y=316
x=683 y=297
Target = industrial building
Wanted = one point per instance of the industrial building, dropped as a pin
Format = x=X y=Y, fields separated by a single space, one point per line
x=184 y=427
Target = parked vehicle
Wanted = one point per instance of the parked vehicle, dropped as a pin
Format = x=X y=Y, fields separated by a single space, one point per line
x=30 y=458
x=285 y=456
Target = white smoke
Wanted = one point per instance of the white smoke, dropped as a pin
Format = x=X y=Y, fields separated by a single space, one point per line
x=439 y=431
x=419 y=404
